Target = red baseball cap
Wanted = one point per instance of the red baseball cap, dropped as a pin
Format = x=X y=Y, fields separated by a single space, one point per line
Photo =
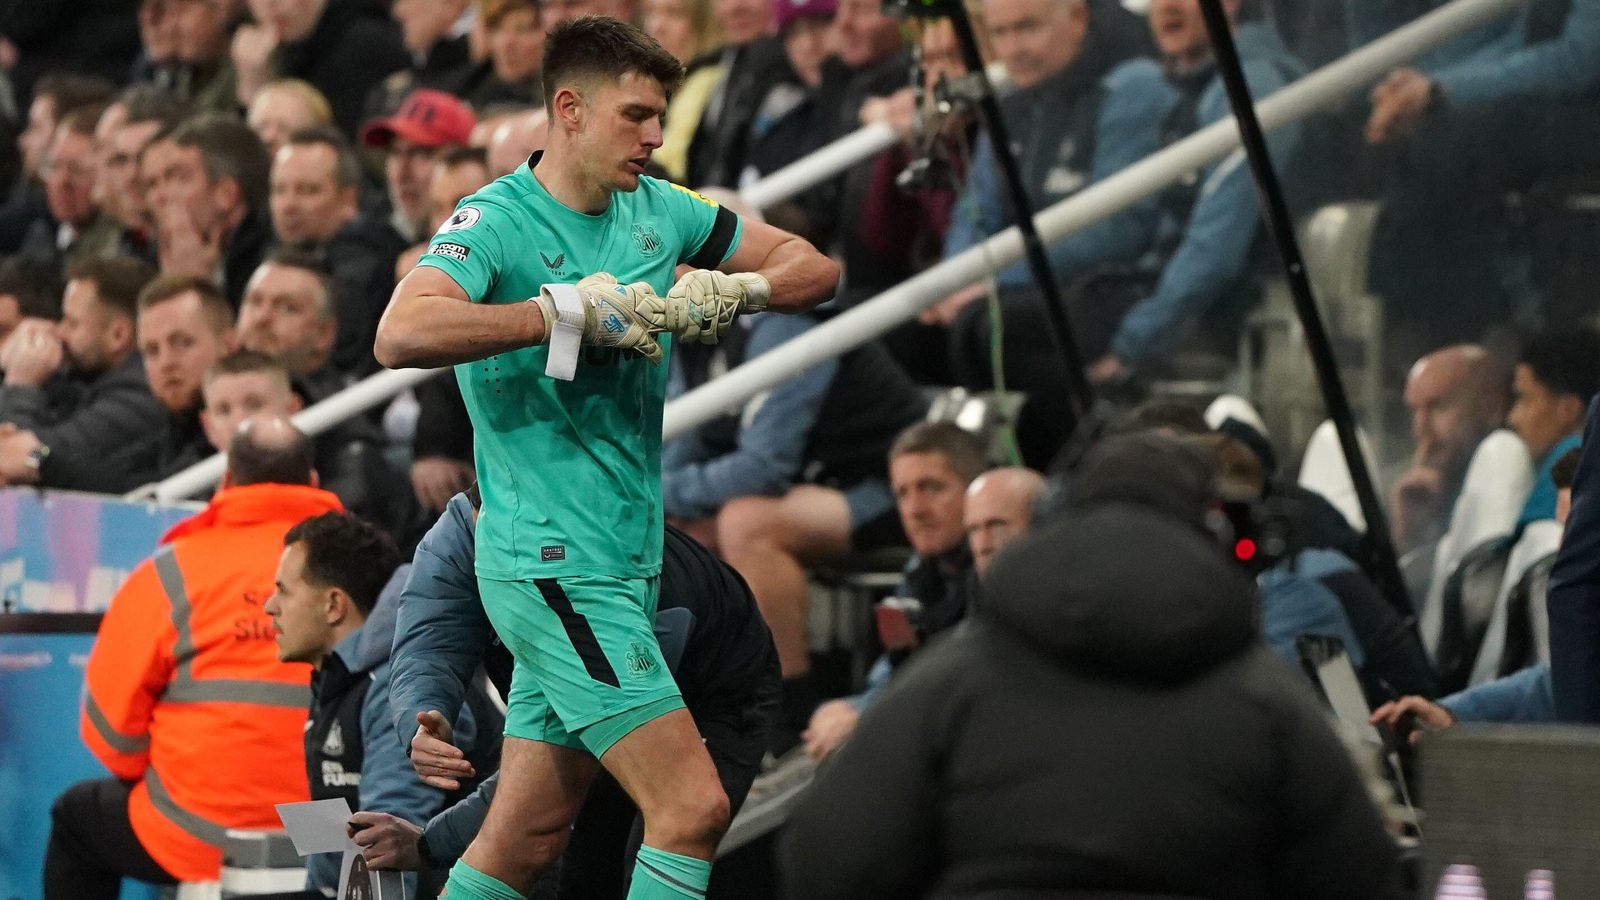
x=427 y=117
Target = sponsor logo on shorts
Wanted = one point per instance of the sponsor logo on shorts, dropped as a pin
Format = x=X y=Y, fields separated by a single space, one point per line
x=456 y=252
x=648 y=239
x=553 y=553
x=465 y=217
x=640 y=660
x=334 y=745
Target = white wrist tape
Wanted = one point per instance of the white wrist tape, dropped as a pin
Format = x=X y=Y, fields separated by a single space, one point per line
x=562 y=362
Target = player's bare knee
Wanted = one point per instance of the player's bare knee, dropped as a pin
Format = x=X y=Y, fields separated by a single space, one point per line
x=745 y=524
x=694 y=818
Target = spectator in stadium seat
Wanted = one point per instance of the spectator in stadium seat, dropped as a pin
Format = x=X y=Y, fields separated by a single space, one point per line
x=125 y=128
x=207 y=187
x=349 y=456
x=55 y=97
x=510 y=76
x=1555 y=378
x=1205 y=230
x=342 y=49
x=75 y=394
x=185 y=325
x=327 y=612
x=283 y=107
x=788 y=121
x=440 y=51
x=1114 y=661
x=1457 y=396
x=316 y=182
x=75 y=230
x=427 y=124
x=158 y=41
x=186 y=701
x=931 y=467
x=998 y=510
x=750 y=63
x=795 y=478
x=203 y=77
x=289 y=313
x=1515 y=112
x=1523 y=696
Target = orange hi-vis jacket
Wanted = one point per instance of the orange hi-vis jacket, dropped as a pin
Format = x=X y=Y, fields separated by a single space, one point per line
x=185 y=692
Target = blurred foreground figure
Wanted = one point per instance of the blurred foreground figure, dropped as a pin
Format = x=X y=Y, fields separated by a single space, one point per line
x=1108 y=722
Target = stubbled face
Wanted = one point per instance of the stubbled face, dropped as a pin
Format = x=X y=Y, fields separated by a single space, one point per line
x=177 y=182
x=283 y=315
x=309 y=206
x=86 y=329
x=516 y=45
x=408 y=170
x=230 y=399
x=931 y=498
x=179 y=343
x=1035 y=39
x=299 y=610
x=619 y=127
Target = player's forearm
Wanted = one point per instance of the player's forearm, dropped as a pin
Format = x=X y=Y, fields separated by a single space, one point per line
x=424 y=331
x=800 y=276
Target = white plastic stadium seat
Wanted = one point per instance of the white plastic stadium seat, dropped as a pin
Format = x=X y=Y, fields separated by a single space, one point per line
x=1539 y=540
x=1323 y=470
x=1232 y=406
x=1497 y=484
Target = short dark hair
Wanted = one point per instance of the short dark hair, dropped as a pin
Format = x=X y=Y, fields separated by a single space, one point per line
x=148 y=103
x=346 y=166
x=82 y=121
x=254 y=461
x=212 y=299
x=229 y=149
x=69 y=91
x=600 y=46
x=347 y=552
x=1169 y=414
x=1566 y=359
x=1566 y=468
x=118 y=281
x=461 y=156
x=961 y=447
x=242 y=361
x=312 y=261
x=35 y=282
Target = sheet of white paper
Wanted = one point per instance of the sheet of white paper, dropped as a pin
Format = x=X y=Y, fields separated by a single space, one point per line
x=317 y=826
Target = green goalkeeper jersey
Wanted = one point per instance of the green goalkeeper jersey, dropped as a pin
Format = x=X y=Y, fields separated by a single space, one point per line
x=570 y=471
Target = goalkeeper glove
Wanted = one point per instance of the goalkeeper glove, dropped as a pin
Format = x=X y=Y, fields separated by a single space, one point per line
x=702 y=305
x=614 y=315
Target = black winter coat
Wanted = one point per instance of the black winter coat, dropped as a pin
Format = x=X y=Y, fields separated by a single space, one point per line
x=1109 y=725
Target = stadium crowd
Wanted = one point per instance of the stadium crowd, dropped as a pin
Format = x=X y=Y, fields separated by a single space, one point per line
x=211 y=203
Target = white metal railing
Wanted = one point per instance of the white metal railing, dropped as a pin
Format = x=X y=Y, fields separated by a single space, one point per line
x=850 y=329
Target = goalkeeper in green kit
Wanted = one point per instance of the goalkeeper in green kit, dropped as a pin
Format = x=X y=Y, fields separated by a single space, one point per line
x=552 y=292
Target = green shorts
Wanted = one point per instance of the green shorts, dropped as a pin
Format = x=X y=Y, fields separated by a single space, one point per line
x=588 y=668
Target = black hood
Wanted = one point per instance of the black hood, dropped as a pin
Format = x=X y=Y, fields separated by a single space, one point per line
x=1121 y=591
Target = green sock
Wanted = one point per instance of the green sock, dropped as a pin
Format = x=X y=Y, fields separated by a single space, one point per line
x=467 y=883
x=659 y=875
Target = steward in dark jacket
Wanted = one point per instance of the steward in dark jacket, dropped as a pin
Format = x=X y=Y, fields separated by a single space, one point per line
x=1108 y=723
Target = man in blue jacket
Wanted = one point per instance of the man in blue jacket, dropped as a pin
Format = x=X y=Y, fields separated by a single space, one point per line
x=1209 y=223
x=327 y=611
x=711 y=636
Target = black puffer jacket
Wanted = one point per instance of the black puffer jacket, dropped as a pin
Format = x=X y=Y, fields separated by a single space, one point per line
x=1108 y=726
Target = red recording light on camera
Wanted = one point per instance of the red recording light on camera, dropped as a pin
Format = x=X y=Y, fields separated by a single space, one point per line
x=1244 y=550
